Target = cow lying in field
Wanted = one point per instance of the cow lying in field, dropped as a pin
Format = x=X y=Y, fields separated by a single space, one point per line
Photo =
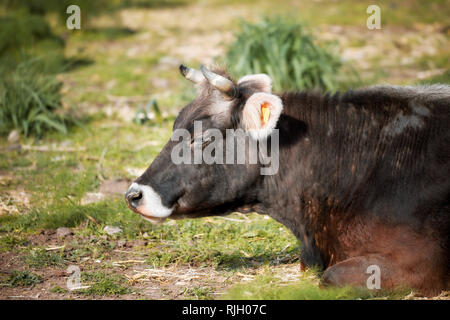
x=363 y=176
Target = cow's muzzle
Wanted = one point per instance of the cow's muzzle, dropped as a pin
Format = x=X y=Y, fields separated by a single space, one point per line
x=145 y=201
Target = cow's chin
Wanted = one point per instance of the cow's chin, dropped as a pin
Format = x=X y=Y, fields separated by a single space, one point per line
x=155 y=214
x=150 y=218
x=153 y=220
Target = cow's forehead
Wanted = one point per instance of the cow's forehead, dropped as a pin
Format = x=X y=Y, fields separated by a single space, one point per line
x=210 y=102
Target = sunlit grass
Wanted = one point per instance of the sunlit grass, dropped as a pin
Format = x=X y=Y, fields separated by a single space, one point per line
x=101 y=284
x=21 y=279
x=270 y=286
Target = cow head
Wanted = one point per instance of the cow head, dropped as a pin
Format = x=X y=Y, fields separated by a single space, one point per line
x=195 y=189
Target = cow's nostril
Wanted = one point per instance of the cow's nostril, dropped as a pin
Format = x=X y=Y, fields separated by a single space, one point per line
x=134 y=198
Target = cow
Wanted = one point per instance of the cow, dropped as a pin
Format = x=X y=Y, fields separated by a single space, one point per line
x=363 y=177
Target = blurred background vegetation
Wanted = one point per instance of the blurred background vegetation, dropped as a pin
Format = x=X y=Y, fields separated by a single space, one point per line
x=285 y=52
x=82 y=111
x=33 y=49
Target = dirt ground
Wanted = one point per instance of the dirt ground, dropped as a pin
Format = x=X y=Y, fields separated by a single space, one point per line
x=146 y=282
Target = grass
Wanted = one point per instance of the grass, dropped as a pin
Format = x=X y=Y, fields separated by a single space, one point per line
x=11 y=242
x=21 y=30
x=40 y=258
x=199 y=293
x=102 y=284
x=22 y=279
x=211 y=242
x=271 y=287
x=58 y=290
x=286 y=52
x=30 y=101
x=224 y=245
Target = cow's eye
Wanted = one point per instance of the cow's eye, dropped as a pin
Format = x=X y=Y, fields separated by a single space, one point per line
x=207 y=140
x=196 y=140
x=202 y=140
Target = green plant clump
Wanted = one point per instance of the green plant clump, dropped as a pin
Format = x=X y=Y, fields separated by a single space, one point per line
x=22 y=279
x=101 y=284
x=21 y=30
x=30 y=101
x=286 y=52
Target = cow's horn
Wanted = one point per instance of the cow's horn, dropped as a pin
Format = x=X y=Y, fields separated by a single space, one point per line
x=223 y=84
x=191 y=74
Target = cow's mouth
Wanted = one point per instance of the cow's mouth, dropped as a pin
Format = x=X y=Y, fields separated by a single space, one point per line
x=149 y=218
x=143 y=200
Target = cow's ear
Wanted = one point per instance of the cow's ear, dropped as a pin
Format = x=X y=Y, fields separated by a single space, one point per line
x=261 y=81
x=260 y=114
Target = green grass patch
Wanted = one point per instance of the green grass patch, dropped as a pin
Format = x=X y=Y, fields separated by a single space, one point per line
x=224 y=244
x=271 y=287
x=22 y=30
x=286 y=52
x=106 y=33
x=22 y=279
x=198 y=293
x=30 y=101
x=11 y=242
x=102 y=284
x=112 y=212
x=58 y=290
x=40 y=258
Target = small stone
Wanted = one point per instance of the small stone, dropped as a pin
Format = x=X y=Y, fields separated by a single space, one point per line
x=112 y=230
x=13 y=136
x=121 y=243
x=63 y=232
x=92 y=197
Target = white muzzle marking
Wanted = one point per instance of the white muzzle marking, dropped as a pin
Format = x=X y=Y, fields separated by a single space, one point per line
x=151 y=206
